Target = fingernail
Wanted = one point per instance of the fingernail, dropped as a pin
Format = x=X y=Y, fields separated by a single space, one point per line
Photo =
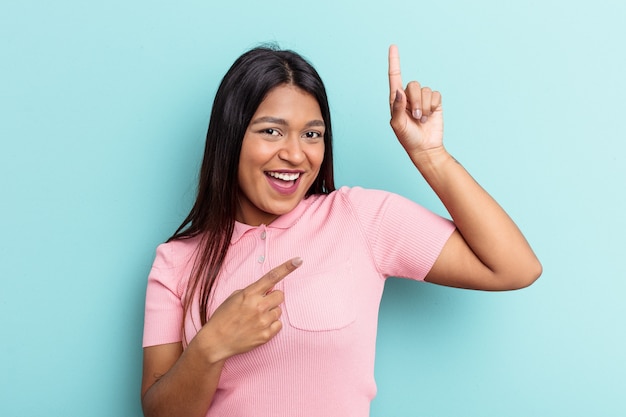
x=398 y=96
x=417 y=114
x=423 y=119
x=296 y=262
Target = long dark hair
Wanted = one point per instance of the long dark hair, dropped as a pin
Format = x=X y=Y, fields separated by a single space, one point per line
x=212 y=217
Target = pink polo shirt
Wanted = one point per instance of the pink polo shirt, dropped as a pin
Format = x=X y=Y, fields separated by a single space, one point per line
x=322 y=362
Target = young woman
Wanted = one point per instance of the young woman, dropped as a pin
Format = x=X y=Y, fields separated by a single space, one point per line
x=265 y=300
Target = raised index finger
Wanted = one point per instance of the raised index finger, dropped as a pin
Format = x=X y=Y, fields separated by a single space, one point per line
x=395 y=76
x=267 y=281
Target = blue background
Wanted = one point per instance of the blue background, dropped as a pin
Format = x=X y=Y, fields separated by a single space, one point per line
x=103 y=111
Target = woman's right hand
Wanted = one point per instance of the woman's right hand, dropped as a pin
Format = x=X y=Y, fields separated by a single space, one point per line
x=177 y=382
x=247 y=318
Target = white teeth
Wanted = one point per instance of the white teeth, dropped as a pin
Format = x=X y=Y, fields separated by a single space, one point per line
x=284 y=176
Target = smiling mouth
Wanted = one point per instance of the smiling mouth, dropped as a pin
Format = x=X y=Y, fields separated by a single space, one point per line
x=285 y=183
x=284 y=176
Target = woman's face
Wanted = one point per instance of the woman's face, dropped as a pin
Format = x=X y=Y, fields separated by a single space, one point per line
x=281 y=155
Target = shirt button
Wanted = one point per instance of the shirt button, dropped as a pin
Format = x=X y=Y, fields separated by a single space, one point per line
x=261 y=259
x=263 y=235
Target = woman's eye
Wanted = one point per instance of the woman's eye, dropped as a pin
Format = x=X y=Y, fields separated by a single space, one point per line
x=312 y=135
x=271 y=132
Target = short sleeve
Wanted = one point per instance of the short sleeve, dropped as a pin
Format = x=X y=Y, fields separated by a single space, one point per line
x=164 y=310
x=405 y=238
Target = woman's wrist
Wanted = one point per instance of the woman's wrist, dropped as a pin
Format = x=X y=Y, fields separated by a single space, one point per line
x=204 y=350
x=433 y=160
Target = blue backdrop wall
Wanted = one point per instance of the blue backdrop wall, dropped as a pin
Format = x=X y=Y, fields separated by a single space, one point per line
x=103 y=110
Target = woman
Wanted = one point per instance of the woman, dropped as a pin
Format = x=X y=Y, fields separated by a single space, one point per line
x=265 y=300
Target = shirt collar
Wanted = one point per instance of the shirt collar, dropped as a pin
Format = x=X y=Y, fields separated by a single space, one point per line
x=283 y=222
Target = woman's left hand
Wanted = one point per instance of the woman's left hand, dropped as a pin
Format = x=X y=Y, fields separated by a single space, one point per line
x=416 y=112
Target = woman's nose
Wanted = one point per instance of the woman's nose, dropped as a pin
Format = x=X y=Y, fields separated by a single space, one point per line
x=292 y=151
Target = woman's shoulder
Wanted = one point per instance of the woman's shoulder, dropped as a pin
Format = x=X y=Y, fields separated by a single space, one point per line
x=177 y=252
x=352 y=193
x=345 y=202
x=357 y=196
x=373 y=204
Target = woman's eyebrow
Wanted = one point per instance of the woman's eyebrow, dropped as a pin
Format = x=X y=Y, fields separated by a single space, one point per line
x=283 y=122
x=269 y=119
x=314 y=123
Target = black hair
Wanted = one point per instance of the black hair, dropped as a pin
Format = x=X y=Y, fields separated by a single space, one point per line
x=246 y=84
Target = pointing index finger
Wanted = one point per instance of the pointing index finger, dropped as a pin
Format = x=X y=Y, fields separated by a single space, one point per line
x=273 y=277
x=395 y=76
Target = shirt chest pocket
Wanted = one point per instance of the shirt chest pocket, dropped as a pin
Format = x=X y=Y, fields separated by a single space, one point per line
x=322 y=300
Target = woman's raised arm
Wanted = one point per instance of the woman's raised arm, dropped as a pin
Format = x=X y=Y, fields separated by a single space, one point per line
x=488 y=251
